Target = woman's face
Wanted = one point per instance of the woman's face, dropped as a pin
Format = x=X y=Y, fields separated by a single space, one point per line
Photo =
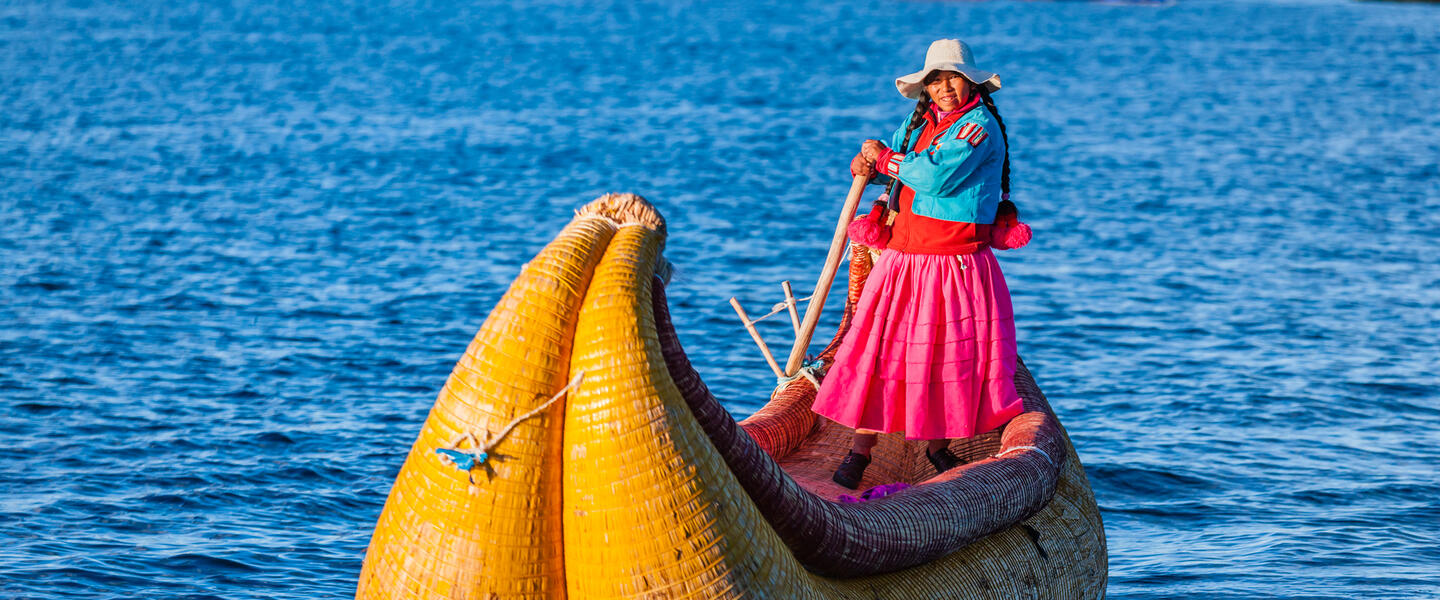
x=948 y=90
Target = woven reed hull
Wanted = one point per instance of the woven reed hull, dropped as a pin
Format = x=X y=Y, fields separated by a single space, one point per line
x=638 y=488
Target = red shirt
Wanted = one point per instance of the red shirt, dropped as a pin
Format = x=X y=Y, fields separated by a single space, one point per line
x=923 y=235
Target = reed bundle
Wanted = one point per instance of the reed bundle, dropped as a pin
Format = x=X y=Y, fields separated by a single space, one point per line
x=643 y=486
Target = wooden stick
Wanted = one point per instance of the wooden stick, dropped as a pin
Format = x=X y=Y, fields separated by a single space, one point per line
x=827 y=276
x=755 y=333
x=790 y=304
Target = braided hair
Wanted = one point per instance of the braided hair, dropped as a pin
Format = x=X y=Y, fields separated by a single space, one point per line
x=917 y=118
x=1006 y=206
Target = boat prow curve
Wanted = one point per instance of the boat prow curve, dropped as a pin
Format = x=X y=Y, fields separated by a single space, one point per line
x=639 y=483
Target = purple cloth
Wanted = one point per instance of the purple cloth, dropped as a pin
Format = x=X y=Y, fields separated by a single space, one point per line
x=879 y=491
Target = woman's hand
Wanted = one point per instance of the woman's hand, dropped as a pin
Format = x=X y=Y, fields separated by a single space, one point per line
x=864 y=162
x=870 y=149
x=860 y=166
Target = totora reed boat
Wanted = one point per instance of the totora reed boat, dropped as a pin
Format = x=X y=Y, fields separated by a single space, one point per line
x=574 y=452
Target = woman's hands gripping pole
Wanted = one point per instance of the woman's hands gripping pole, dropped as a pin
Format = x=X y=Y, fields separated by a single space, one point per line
x=864 y=163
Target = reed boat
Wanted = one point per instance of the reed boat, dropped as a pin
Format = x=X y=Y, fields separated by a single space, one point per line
x=574 y=452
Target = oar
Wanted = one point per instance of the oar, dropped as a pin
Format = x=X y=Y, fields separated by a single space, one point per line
x=827 y=276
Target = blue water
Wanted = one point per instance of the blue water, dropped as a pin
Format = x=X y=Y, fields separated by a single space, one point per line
x=243 y=243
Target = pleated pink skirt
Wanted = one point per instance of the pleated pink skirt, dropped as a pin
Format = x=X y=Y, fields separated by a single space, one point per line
x=930 y=352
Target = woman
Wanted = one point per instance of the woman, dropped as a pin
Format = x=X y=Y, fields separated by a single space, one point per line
x=931 y=351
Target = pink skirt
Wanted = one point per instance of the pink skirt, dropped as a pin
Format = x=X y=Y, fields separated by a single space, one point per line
x=930 y=352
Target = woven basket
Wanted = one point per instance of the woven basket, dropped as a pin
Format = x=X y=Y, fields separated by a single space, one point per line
x=643 y=486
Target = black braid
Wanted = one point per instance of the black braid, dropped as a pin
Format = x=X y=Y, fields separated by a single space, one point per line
x=1006 y=207
x=917 y=118
x=1004 y=170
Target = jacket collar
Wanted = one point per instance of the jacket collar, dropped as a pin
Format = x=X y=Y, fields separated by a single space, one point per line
x=933 y=115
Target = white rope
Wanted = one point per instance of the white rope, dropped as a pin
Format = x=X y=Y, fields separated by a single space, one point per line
x=479 y=452
x=810 y=372
x=779 y=308
x=1019 y=448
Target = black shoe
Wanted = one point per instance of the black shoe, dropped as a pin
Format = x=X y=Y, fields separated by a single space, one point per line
x=851 y=469
x=943 y=459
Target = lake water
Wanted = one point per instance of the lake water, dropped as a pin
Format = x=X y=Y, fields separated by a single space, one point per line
x=243 y=243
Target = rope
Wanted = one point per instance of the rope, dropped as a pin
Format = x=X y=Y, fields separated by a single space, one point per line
x=479 y=453
x=811 y=371
x=779 y=308
x=1019 y=448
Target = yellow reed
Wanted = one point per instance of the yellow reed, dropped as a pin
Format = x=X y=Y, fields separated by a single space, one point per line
x=439 y=535
x=616 y=492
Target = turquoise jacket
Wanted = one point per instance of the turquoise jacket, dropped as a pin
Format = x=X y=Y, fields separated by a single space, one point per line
x=957 y=178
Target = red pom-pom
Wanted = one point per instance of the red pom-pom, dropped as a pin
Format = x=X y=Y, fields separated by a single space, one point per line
x=1017 y=236
x=1009 y=234
x=868 y=231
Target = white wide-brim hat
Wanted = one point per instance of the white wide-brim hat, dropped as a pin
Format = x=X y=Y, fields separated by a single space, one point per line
x=946 y=55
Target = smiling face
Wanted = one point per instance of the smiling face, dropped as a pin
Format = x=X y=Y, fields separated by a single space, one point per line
x=948 y=89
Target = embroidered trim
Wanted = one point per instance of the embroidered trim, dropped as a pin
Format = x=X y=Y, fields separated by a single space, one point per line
x=973 y=133
x=892 y=166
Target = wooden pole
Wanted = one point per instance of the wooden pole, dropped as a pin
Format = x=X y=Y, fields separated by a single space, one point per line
x=755 y=333
x=790 y=305
x=827 y=276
